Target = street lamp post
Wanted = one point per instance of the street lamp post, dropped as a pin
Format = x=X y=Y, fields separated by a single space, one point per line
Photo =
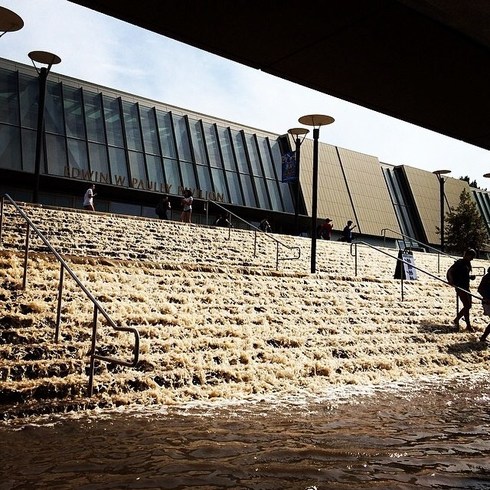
x=440 y=176
x=9 y=21
x=48 y=59
x=315 y=120
x=297 y=133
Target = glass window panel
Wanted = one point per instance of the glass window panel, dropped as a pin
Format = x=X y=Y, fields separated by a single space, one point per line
x=198 y=141
x=155 y=171
x=266 y=157
x=234 y=186
x=248 y=191
x=9 y=147
x=118 y=165
x=137 y=168
x=77 y=154
x=172 y=175
x=253 y=153
x=93 y=117
x=188 y=175
x=99 y=162
x=166 y=133
x=150 y=132
x=53 y=113
x=72 y=102
x=227 y=149
x=132 y=126
x=125 y=208
x=204 y=178
x=212 y=145
x=29 y=89
x=28 y=149
x=276 y=158
x=56 y=155
x=241 y=155
x=182 y=138
x=262 y=193
x=286 y=197
x=9 y=98
x=112 y=117
x=219 y=183
x=275 y=195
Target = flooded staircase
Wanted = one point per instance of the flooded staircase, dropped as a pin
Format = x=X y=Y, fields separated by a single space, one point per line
x=215 y=320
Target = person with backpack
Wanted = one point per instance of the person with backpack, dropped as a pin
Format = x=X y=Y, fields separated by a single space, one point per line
x=458 y=276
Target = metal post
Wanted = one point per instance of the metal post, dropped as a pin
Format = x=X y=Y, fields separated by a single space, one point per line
x=26 y=255
x=296 y=207
x=441 y=195
x=92 y=354
x=314 y=202
x=58 y=310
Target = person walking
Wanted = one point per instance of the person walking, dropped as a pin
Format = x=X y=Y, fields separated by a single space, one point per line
x=347 y=232
x=88 y=198
x=458 y=276
x=484 y=291
x=186 y=215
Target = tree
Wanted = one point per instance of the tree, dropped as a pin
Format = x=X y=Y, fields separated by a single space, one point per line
x=464 y=226
x=470 y=183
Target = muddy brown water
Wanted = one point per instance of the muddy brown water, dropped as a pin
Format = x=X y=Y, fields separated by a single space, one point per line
x=426 y=434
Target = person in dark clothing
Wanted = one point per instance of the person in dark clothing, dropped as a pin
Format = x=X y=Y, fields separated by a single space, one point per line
x=265 y=226
x=347 y=232
x=222 y=221
x=459 y=275
x=163 y=207
x=484 y=290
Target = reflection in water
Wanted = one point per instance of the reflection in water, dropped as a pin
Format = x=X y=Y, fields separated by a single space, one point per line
x=435 y=435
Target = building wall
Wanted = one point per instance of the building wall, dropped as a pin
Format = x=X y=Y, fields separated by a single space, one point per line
x=93 y=134
x=136 y=149
x=425 y=190
x=351 y=187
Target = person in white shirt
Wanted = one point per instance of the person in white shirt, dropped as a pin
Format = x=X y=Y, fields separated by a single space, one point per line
x=88 y=198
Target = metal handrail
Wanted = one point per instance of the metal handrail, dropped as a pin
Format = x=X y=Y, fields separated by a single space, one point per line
x=354 y=244
x=97 y=306
x=426 y=245
x=256 y=229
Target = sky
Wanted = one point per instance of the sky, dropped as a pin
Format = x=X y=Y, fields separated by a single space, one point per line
x=112 y=53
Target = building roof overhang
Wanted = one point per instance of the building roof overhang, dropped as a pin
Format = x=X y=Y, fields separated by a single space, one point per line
x=422 y=61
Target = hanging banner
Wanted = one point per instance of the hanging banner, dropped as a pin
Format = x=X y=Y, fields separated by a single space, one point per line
x=405 y=269
x=289 y=167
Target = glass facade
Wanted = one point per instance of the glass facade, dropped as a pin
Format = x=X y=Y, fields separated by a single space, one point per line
x=97 y=136
x=137 y=148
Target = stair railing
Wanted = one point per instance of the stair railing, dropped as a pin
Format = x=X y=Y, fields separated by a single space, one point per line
x=97 y=307
x=425 y=245
x=256 y=231
x=354 y=245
